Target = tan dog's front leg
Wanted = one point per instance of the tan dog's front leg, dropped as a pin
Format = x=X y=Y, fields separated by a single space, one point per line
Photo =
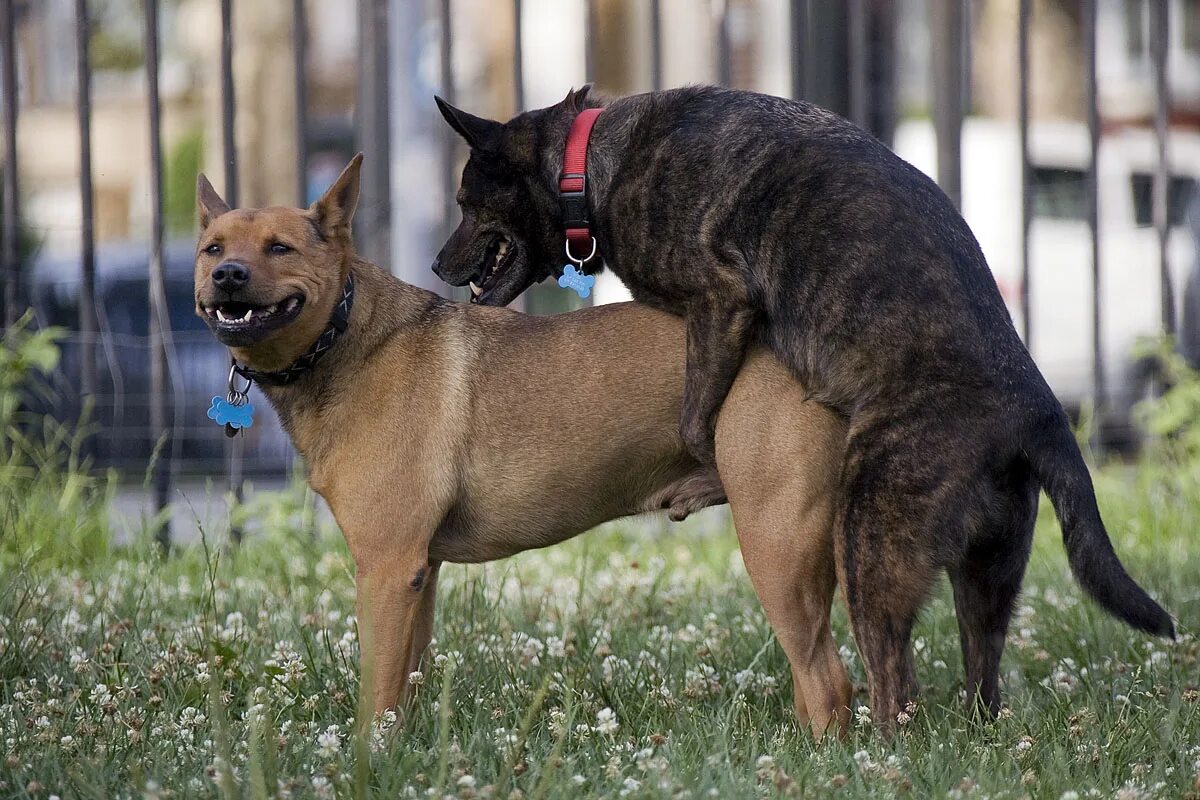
x=423 y=624
x=395 y=608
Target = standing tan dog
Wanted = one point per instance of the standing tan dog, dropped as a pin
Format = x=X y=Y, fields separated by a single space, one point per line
x=439 y=431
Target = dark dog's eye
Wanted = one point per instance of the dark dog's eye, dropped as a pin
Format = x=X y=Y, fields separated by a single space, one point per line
x=213 y=249
x=278 y=249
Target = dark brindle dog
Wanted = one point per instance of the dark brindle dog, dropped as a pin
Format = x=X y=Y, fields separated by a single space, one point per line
x=762 y=219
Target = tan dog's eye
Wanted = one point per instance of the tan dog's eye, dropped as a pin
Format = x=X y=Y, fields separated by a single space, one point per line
x=278 y=249
x=213 y=249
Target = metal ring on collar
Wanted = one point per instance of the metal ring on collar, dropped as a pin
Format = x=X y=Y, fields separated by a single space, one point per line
x=581 y=261
x=233 y=390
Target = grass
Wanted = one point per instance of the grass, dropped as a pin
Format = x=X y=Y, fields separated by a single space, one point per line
x=620 y=664
x=633 y=662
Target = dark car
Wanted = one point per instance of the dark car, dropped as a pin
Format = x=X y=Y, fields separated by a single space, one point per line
x=197 y=365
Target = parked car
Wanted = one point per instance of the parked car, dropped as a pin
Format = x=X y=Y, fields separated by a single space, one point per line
x=197 y=365
x=1060 y=247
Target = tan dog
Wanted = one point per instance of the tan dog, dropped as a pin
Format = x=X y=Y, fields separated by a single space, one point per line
x=433 y=430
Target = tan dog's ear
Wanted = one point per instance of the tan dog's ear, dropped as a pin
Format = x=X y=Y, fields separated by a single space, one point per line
x=334 y=211
x=209 y=204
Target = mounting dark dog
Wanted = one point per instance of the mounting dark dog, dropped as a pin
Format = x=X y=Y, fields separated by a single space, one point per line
x=763 y=219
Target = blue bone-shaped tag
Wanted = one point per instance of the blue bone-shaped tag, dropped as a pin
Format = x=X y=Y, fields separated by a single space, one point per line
x=574 y=279
x=226 y=413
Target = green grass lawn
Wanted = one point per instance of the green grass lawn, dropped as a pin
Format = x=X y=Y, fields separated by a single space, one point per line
x=625 y=663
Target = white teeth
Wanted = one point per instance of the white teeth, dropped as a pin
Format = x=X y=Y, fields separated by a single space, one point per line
x=271 y=308
x=292 y=303
x=502 y=248
x=221 y=316
x=248 y=315
x=476 y=290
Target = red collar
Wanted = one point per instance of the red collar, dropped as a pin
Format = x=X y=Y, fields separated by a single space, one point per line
x=572 y=189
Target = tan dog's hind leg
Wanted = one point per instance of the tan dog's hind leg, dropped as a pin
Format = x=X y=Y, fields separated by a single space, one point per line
x=795 y=584
x=779 y=459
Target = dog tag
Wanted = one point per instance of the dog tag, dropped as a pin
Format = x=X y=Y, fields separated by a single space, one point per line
x=234 y=417
x=577 y=281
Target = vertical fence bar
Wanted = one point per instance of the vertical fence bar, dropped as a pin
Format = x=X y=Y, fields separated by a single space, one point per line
x=519 y=59
x=656 y=43
x=948 y=94
x=724 y=45
x=88 y=328
x=591 y=33
x=159 y=319
x=228 y=107
x=859 y=58
x=1159 y=32
x=374 y=132
x=11 y=230
x=1024 y=20
x=449 y=138
x=1088 y=10
x=300 y=67
x=798 y=34
x=234 y=448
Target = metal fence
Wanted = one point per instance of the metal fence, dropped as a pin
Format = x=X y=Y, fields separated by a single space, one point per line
x=175 y=358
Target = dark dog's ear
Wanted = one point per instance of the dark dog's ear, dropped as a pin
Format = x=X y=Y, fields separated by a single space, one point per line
x=481 y=134
x=209 y=204
x=335 y=209
x=575 y=99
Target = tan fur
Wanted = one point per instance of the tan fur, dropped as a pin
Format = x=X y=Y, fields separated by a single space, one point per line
x=445 y=432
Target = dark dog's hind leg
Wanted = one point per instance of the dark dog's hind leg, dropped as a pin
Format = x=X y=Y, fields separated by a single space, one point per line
x=885 y=548
x=986 y=584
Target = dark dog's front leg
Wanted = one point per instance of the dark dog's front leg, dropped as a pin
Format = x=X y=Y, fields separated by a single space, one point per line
x=717 y=334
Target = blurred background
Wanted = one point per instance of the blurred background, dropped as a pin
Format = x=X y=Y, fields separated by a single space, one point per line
x=1068 y=131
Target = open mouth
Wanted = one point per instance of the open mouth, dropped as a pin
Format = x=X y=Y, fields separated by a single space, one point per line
x=245 y=322
x=499 y=257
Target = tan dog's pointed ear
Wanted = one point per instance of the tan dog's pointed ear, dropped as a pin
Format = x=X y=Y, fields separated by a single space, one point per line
x=334 y=211
x=209 y=204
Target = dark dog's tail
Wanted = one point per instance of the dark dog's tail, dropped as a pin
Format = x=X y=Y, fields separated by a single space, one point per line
x=1060 y=467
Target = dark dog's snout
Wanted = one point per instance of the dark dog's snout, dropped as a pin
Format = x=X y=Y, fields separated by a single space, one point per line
x=230 y=276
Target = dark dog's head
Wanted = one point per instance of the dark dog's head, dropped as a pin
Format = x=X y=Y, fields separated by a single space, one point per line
x=267 y=279
x=510 y=237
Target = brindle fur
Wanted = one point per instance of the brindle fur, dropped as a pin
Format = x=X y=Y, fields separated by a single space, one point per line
x=766 y=220
x=445 y=432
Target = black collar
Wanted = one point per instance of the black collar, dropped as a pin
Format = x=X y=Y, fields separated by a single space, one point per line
x=338 y=322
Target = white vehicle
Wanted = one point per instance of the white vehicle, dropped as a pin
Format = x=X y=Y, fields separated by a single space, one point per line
x=1060 y=290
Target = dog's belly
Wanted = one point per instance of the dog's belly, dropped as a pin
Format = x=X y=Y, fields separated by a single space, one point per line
x=498 y=521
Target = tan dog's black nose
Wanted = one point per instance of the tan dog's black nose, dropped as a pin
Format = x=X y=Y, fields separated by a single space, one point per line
x=230 y=276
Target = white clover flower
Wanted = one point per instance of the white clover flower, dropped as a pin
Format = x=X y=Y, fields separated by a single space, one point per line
x=629 y=786
x=701 y=682
x=606 y=722
x=416 y=678
x=466 y=782
x=100 y=694
x=558 y=722
x=322 y=787
x=862 y=715
x=202 y=674
x=329 y=742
